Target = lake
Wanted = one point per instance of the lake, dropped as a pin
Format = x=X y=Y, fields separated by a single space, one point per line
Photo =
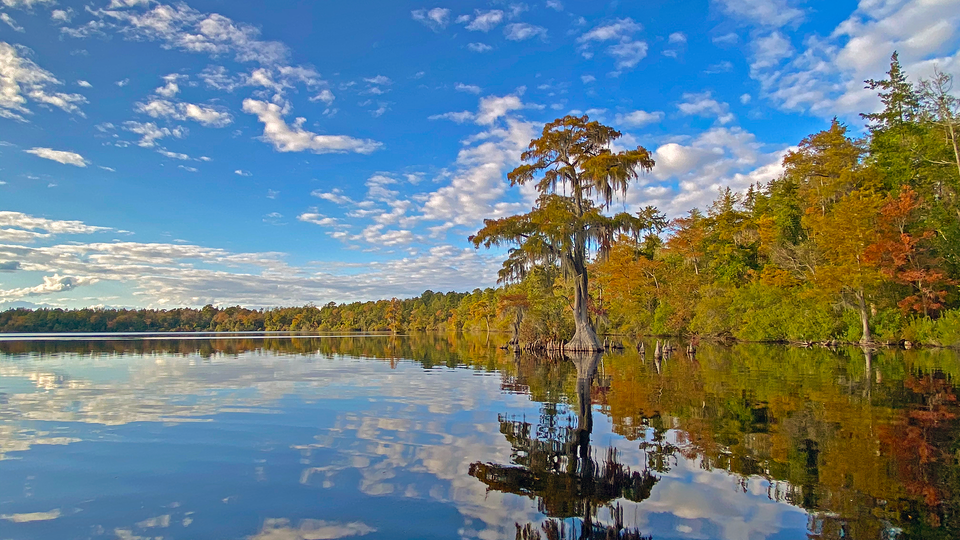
x=323 y=437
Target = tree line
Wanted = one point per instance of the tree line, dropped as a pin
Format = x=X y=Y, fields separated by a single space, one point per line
x=857 y=240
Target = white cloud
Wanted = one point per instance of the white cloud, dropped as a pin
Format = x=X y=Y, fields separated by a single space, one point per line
x=293 y=138
x=458 y=117
x=318 y=219
x=61 y=16
x=493 y=107
x=745 y=98
x=726 y=39
x=207 y=116
x=22 y=80
x=677 y=38
x=172 y=155
x=628 y=53
x=769 y=51
x=325 y=96
x=703 y=104
x=380 y=80
x=435 y=18
x=335 y=196
x=182 y=27
x=639 y=118
x=827 y=76
x=150 y=132
x=84 y=84
x=171 y=88
x=32 y=516
x=11 y=22
x=617 y=30
x=524 y=31
x=555 y=4
x=60 y=156
x=775 y=13
x=51 y=284
x=242 y=173
x=691 y=173
x=587 y=79
x=219 y=78
x=27 y=4
x=31 y=228
x=479 y=47
x=470 y=88
x=484 y=21
x=120 y=4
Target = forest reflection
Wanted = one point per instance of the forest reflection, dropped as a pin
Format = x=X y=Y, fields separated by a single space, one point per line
x=866 y=443
x=554 y=463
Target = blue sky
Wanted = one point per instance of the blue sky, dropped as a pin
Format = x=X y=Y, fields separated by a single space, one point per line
x=232 y=152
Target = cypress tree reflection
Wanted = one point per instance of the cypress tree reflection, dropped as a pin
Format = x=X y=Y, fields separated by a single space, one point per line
x=555 y=465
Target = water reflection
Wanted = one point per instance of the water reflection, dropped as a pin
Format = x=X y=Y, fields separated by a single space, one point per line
x=449 y=437
x=556 y=465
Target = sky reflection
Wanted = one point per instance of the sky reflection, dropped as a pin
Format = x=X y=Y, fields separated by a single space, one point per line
x=269 y=445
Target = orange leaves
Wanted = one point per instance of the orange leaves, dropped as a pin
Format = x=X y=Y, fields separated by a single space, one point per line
x=904 y=257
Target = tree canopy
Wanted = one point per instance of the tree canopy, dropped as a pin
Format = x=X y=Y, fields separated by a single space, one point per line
x=576 y=174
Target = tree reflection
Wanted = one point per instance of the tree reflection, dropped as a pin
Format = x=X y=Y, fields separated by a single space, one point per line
x=554 y=464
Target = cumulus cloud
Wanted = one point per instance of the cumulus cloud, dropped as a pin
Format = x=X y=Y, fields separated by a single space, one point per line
x=493 y=107
x=775 y=13
x=182 y=27
x=51 y=284
x=689 y=173
x=281 y=529
x=21 y=80
x=150 y=132
x=479 y=47
x=628 y=54
x=826 y=76
x=703 y=104
x=639 y=118
x=470 y=88
x=293 y=138
x=614 y=31
x=325 y=96
x=185 y=274
x=6 y=18
x=27 y=4
x=524 y=31
x=484 y=21
x=61 y=15
x=205 y=115
x=435 y=18
x=60 y=156
x=458 y=117
x=24 y=228
x=627 y=51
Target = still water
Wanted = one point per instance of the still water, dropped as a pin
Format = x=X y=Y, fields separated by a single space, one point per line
x=309 y=438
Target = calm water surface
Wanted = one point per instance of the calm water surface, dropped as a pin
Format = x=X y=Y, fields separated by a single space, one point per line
x=313 y=438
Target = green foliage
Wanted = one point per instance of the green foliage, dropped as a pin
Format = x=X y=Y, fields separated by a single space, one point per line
x=855 y=233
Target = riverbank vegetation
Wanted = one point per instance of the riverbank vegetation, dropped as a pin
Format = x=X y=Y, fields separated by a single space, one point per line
x=857 y=240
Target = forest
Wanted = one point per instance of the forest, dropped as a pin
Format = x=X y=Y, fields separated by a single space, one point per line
x=857 y=241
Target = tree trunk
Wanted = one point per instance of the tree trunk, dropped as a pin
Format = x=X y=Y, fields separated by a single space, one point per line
x=585 y=338
x=864 y=318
